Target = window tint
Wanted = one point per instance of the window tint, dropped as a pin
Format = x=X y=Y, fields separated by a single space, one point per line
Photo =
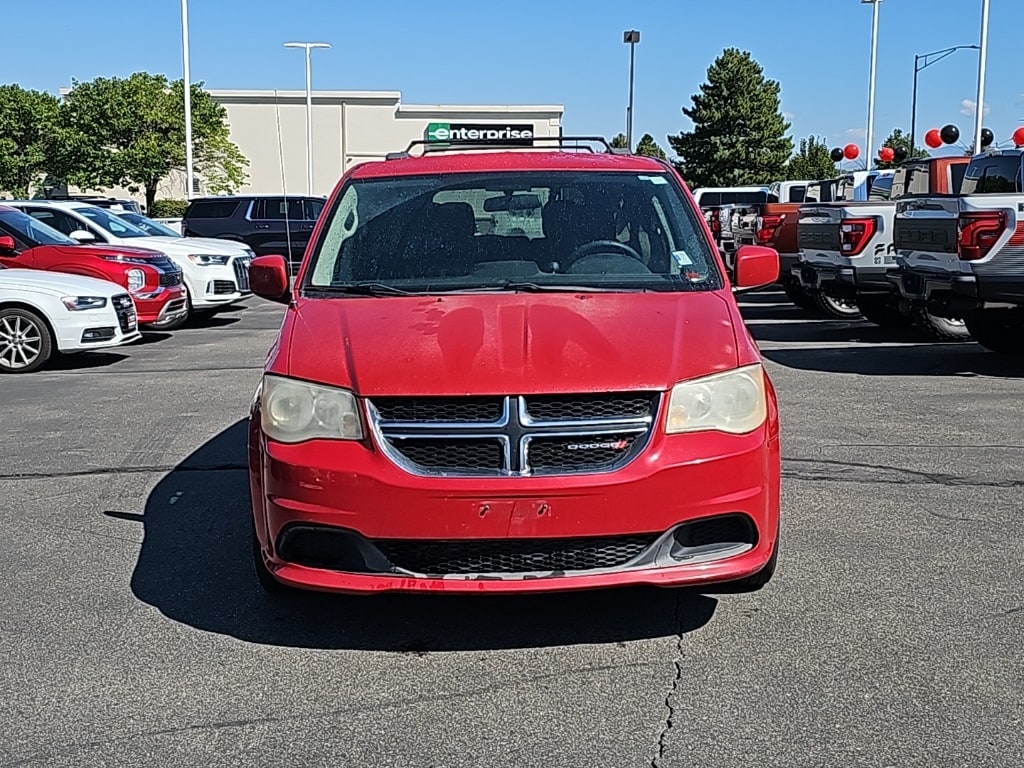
x=212 y=209
x=796 y=194
x=56 y=219
x=274 y=209
x=30 y=230
x=957 y=172
x=993 y=175
x=881 y=188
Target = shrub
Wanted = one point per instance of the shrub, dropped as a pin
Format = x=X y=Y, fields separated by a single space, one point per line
x=168 y=209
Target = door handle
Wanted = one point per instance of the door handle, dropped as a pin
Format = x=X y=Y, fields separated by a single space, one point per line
x=262 y=226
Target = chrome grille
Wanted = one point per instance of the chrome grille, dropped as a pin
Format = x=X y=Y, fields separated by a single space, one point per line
x=514 y=436
x=170 y=279
x=124 y=308
x=241 y=267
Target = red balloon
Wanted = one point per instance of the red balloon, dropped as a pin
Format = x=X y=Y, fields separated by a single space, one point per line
x=1018 y=137
x=851 y=151
x=886 y=154
x=933 y=138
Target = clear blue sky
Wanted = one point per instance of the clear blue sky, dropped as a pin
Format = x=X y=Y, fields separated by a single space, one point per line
x=550 y=52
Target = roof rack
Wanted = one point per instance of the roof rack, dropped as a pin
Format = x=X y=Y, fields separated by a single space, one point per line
x=564 y=142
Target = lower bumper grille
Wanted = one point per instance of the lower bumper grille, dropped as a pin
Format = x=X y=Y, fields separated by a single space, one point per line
x=223 y=287
x=515 y=555
x=124 y=308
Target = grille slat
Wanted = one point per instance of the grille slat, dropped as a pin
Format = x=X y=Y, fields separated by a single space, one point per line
x=483 y=556
x=547 y=434
x=170 y=279
x=241 y=268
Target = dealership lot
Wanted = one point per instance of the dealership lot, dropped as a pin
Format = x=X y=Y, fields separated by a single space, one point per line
x=133 y=633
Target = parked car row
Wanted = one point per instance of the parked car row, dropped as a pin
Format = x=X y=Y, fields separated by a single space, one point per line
x=46 y=245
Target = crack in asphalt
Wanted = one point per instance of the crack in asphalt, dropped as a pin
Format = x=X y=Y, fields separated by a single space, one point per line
x=142 y=470
x=670 y=696
x=65 y=750
x=903 y=476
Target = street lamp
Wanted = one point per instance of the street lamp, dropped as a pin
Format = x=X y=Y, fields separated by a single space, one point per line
x=309 y=110
x=630 y=37
x=189 y=183
x=871 y=86
x=979 y=106
x=924 y=61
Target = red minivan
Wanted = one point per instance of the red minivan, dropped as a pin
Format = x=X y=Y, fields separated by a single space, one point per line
x=510 y=371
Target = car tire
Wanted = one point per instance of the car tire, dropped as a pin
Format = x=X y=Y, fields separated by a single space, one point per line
x=998 y=330
x=26 y=343
x=941 y=328
x=884 y=313
x=838 y=309
x=268 y=583
x=796 y=294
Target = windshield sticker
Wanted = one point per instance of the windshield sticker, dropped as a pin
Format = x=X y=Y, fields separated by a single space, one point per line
x=682 y=258
x=654 y=179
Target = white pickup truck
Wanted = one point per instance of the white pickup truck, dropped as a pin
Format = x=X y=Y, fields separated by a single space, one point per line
x=963 y=255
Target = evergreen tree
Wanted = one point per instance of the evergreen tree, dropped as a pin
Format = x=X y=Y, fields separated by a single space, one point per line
x=649 y=147
x=812 y=162
x=739 y=134
x=619 y=141
x=899 y=139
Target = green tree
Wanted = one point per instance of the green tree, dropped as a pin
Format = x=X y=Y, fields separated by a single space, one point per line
x=28 y=134
x=739 y=134
x=131 y=132
x=898 y=139
x=649 y=147
x=812 y=161
x=619 y=141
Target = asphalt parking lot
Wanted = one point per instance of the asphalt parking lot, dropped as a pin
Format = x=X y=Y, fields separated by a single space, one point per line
x=132 y=632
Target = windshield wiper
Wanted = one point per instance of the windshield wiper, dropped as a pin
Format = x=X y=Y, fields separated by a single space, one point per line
x=358 y=289
x=529 y=287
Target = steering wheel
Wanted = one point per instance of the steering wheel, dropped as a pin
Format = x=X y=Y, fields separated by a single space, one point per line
x=604 y=247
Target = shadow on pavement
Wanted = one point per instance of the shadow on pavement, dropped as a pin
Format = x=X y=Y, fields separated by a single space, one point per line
x=934 y=359
x=82 y=361
x=195 y=567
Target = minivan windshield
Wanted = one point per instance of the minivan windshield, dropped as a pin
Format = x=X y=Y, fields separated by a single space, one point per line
x=512 y=230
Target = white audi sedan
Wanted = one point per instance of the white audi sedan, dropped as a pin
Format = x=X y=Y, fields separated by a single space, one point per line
x=45 y=313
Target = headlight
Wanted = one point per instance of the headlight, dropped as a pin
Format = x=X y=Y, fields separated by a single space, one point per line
x=79 y=303
x=294 y=411
x=733 y=401
x=136 y=280
x=126 y=258
x=207 y=260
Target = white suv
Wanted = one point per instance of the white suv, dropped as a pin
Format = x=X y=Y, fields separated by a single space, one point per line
x=216 y=272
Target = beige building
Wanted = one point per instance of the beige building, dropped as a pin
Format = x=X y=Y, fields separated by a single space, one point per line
x=349 y=127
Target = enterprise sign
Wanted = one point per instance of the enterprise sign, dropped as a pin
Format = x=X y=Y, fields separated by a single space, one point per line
x=518 y=135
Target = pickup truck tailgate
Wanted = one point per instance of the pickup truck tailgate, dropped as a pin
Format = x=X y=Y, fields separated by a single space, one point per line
x=925 y=232
x=818 y=233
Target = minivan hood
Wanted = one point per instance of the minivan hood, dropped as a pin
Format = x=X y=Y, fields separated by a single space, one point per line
x=501 y=343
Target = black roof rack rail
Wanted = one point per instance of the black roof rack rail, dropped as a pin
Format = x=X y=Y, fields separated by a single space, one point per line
x=564 y=142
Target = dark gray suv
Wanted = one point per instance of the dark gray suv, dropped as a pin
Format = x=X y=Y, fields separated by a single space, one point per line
x=266 y=223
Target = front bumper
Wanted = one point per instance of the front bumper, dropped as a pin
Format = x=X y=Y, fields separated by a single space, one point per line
x=356 y=492
x=98 y=329
x=844 y=282
x=167 y=305
x=216 y=286
x=953 y=293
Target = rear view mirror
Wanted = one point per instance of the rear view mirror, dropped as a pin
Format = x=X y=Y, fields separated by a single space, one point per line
x=82 y=236
x=521 y=202
x=7 y=244
x=268 y=278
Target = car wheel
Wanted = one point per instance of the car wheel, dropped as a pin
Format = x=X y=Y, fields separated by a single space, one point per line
x=942 y=328
x=796 y=294
x=884 y=312
x=269 y=584
x=840 y=309
x=26 y=343
x=998 y=330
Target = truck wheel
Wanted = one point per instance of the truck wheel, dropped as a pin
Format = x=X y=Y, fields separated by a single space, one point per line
x=796 y=294
x=998 y=330
x=941 y=328
x=25 y=341
x=840 y=309
x=884 y=313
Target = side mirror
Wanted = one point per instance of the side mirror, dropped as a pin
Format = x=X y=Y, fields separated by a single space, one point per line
x=82 y=236
x=268 y=278
x=7 y=245
x=756 y=267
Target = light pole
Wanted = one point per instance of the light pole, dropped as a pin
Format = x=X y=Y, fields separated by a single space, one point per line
x=927 y=60
x=630 y=37
x=871 y=87
x=979 y=107
x=309 y=109
x=189 y=175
